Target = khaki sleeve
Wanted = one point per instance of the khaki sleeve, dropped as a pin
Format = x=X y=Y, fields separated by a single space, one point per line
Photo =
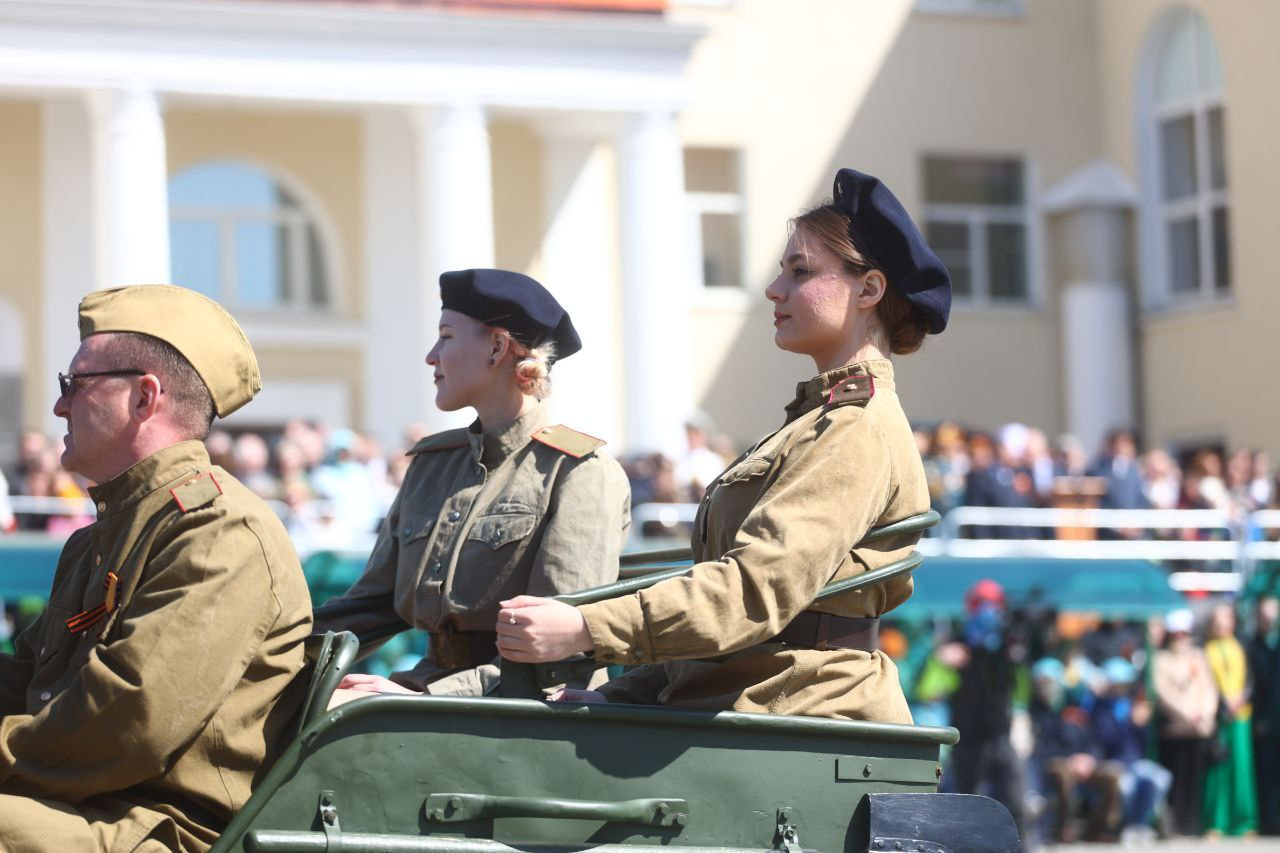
x=375 y=585
x=196 y=621
x=832 y=485
x=589 y=513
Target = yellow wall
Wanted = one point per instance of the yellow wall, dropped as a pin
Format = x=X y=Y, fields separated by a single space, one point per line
x=336 y=365
x=1208 y=372
x=320 y=153
x=517 y=197
x=872 y=85
x=21 y=265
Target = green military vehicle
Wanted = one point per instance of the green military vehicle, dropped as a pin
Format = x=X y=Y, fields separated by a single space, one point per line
x=494 y=775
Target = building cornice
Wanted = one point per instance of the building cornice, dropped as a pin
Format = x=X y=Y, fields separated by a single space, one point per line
x=336 y=52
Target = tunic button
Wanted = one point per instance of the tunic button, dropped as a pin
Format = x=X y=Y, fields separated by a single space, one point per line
x=435 y=568
x=455 y=515
x=102 y=506
x=97 y=561
x=636 y=653
x=407 y=530
x=46 y=696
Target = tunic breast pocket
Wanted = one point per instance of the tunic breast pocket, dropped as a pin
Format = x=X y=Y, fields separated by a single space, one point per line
x=748 y=469
x=504 y=524
x=54 y=635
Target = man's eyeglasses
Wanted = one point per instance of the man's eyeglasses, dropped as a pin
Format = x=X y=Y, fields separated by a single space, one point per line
x=69 y=382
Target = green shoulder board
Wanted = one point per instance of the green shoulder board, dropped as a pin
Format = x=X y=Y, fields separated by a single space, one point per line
x=568 y=441
x=446 y=440
x=196 y=492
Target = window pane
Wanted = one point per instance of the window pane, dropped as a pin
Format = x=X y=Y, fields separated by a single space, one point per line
x=721 y=250
x=1184 y=255
x=1221 y=249
x=1178 y=154
x=317 y=275
x=195 y=255
x=1007 y=255
x=950 y=242
x=223 y=184
x=260 y=264
x=1217 y=154
x=1176 y=67
x=972 y=180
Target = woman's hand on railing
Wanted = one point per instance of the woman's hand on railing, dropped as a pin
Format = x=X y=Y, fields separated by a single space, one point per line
x=540 y=630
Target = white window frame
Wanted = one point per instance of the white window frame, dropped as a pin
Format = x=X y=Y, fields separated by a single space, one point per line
x=973 y=8
x=698 y=204
x=977 y=217
x=294 y=220
x=1201 y=203
x=1154 y=212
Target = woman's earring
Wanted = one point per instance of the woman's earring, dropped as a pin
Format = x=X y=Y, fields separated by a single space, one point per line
x=492 y=361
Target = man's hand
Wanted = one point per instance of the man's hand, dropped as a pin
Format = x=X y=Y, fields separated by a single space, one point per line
x=371 y=684
x=540 y=630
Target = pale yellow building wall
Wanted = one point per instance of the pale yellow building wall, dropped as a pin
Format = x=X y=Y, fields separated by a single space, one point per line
x=21 y=240
x=1209 y=372
x=518 y=222
x=803 y=89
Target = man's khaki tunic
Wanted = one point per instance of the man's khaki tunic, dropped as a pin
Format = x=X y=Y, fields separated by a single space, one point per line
x=480 y=519
x=773 y=529
x=149 y=729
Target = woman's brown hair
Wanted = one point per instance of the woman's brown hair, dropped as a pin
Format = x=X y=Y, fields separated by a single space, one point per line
x=903 y=323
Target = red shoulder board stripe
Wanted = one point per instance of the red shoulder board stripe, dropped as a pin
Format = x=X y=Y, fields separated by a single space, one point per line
x=196 y=492
x=855 y=389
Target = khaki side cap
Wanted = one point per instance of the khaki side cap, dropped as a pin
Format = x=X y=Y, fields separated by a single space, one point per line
x=193 y=324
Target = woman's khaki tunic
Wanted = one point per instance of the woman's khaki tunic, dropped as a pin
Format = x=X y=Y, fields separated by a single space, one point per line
x=536 y=509
x=773 y=529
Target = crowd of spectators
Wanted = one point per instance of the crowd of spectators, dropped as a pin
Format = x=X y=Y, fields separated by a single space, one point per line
x=1120 y=733
x=1017 y=466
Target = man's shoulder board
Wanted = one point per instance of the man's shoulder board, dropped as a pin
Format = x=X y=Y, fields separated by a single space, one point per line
x=568 y=441
x=446 y=440
x=196 y=492
x=855 y=389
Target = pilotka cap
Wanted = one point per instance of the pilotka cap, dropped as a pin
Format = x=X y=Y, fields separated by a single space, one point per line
x=881 y=229
x=193 y=324
x=513 y=302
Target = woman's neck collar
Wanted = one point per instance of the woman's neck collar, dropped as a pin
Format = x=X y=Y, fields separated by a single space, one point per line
x=868 y=351
x=496 y=415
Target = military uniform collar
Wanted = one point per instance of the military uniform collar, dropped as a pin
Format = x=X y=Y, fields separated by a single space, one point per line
x=145 y=476
x=815 y=392
x=492 y=449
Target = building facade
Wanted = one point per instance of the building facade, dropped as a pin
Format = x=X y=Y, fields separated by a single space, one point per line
x=1094 y=173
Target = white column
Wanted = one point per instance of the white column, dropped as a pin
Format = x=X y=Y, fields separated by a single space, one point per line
x=655 y=283
x=1091 y=210
x=1098 y=360
x=457 y=188
x=133 y=202
x=579 y=260
x=69 y=238
x=401 y=299
x=454 y=189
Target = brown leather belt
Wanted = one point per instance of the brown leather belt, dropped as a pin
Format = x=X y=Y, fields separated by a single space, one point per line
x=824 y=631
x=463 y=649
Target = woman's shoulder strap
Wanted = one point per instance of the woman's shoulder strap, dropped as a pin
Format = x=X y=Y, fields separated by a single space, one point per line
x=568 y=441
x=447 y=440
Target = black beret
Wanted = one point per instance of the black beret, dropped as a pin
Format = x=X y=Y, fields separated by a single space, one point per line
x=514 y=302
x=880 y=227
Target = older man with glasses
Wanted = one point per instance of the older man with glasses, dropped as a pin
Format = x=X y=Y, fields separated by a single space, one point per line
x=138 y=711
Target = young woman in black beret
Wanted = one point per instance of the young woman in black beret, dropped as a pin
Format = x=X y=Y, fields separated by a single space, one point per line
x=509 y=505
x=741 y=631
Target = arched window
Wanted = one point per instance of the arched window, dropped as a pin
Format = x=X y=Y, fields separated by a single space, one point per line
x=1186 y=174
x=239 y=235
